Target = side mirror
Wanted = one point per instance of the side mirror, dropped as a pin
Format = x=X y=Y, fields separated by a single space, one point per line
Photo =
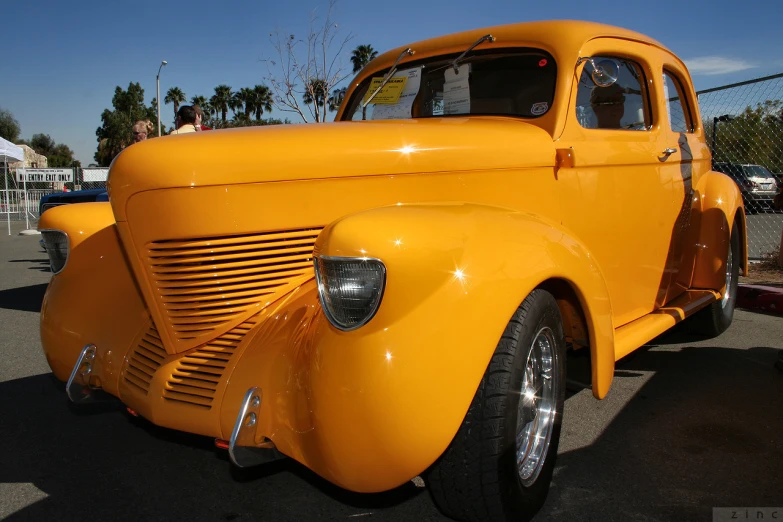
x=604 y=71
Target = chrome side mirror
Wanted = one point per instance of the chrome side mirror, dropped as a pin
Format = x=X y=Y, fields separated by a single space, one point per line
x=604 y=71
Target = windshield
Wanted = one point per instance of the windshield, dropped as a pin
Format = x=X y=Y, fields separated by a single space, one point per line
x=757 y=171
x=515 y=83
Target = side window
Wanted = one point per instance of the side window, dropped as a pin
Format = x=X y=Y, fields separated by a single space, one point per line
x=676 y=106
x=623 y=105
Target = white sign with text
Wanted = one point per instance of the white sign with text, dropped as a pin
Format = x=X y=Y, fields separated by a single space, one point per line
x=45 y=175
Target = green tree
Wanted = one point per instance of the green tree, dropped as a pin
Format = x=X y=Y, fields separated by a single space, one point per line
x=237 y=103
x=247 y=96
x=315 y=92
x=115 y=133
x=201 y=101
x=361 y=56
x=175 y=96
x=9 y=127
x=222 y=100
x=58 y=155
x=262 y=100
x=754 y=136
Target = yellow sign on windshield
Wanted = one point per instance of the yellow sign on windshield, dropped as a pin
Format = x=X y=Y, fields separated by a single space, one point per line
x=390 y=94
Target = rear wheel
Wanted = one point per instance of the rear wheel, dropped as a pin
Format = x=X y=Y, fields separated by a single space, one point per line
x=500 y=463
x=716 y=318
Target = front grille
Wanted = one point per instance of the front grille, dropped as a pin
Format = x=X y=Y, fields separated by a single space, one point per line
x=144 y=360
x=197 y=375
x=205 y=287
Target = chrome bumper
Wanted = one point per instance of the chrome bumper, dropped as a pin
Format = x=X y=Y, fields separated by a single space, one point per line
x=242 y=448
x=78 y=387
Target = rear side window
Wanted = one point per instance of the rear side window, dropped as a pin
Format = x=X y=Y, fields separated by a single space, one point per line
x=676 y=104
x=623 y=105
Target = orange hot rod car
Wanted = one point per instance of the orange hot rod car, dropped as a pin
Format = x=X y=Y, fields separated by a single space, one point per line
x=394 y=294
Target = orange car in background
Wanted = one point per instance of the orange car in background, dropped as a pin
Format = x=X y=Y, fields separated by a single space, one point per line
x=395 y=294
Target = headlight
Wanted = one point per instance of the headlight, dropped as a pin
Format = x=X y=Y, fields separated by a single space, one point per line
x=350 y=289
x=56 y=244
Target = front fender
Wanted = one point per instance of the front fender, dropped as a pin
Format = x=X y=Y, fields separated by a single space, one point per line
x=94 y=299
x=391 y=395
x=721 y=210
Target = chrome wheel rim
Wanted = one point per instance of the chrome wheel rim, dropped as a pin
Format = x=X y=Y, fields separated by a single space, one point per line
x=537 y=407
x=729 y=277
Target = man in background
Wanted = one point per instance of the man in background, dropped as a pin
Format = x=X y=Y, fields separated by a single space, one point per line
x=199 y=119
x=186 y=120
x=608 y=105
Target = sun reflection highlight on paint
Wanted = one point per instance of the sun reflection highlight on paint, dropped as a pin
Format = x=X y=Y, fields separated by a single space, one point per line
x=461 y=277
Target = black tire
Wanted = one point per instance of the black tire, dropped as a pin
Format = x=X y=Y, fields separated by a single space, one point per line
x=716 y=318
x=477 y=478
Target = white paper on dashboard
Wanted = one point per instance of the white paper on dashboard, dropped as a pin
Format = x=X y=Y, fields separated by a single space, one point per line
x=401 y=109
x=456 y=90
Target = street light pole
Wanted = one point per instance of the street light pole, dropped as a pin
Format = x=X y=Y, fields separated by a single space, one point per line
x=715 y=120
x=157 y=81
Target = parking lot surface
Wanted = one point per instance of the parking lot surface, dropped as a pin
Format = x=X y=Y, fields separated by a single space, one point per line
x=688 y=425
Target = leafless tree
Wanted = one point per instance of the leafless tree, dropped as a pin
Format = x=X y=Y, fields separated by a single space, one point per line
x=304 y=72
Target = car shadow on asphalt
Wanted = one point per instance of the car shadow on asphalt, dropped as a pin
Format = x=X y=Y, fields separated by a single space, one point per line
x=25 y=298
x=704 y=430
x=101 y=463
x=41 y=265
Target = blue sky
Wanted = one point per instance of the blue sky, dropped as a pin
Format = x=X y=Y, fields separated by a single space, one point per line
x=62 y=60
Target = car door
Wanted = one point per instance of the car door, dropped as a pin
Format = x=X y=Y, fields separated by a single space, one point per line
x=686 y=160
x=616 y=197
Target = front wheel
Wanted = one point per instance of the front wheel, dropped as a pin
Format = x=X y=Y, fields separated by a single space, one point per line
x=500 y=463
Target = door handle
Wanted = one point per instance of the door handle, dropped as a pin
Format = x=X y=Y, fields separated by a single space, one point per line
x=669 y=151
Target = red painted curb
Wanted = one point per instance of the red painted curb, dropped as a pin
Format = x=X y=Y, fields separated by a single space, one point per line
x=768 y=299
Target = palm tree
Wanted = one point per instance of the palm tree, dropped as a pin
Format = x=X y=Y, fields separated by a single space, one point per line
x=361 y=56
x=175 y=96
x=222 y=100
x=315 y=92
x=336 y=98
x=201 y=101
x=262 y=100
x=237 y=103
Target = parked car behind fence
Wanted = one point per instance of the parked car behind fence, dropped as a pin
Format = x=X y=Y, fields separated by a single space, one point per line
x=758 y=185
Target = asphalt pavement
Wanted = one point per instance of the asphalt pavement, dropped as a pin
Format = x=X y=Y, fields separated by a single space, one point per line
x=688 y=425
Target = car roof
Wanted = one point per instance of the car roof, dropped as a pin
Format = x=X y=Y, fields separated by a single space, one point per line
x=551 y=33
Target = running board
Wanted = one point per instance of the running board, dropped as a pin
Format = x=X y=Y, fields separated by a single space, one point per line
x=635 y=334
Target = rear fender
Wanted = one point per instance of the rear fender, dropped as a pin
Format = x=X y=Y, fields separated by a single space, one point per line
x=721 y=210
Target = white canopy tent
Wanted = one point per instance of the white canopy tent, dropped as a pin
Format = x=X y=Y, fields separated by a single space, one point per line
x=9 y=152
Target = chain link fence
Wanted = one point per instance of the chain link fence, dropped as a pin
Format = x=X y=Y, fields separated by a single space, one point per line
x=744 y=126
x=15 y=207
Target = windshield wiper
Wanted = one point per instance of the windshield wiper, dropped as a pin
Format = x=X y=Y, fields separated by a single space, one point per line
x=459 y=58
x=386 y=78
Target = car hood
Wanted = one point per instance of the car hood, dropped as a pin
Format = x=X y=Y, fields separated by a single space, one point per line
x=330 y=150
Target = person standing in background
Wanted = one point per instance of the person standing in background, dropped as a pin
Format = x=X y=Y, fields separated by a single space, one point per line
x=186 y=120
x=141 y=130
x=199 y=118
